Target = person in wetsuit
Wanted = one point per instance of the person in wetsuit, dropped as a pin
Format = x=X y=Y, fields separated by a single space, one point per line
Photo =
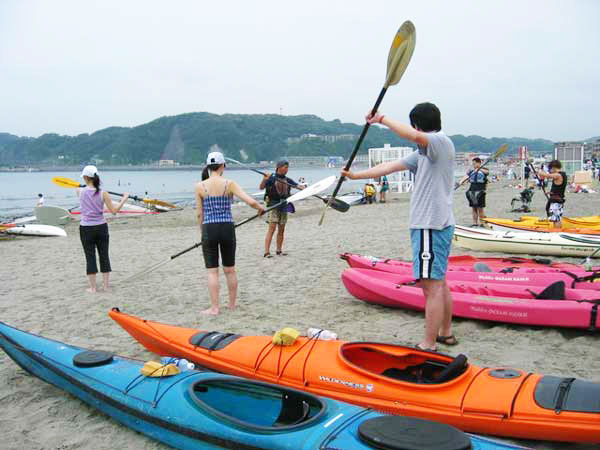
x=214 y=195
x=556 y=197
x=478 y=179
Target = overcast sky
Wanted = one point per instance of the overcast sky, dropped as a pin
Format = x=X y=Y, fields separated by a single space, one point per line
x=504 y=68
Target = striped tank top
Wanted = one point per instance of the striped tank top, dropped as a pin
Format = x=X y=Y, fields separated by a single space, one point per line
x=92 y=205
x=217 y=208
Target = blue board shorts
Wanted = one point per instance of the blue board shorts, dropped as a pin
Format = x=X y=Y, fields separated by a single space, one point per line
x=430 y=249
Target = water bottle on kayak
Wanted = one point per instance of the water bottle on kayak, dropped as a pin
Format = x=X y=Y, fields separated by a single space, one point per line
x=324 y=335
x=182 y=364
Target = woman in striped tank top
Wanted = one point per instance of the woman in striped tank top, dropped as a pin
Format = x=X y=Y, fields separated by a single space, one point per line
x=93 y=229
x=214 y=196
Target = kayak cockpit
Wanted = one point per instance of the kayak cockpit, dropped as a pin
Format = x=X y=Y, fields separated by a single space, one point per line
x=403 y=363
x=256 y=405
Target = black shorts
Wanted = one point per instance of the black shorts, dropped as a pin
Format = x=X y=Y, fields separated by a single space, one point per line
x=476 y=199
x=218 y=237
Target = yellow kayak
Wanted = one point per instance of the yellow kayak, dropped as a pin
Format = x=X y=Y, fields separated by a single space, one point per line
x=580 y=225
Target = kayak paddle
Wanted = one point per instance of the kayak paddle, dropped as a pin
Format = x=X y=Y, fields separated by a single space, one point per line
x=338 y=205
x=501 y=150
x=540 y=180
x=309 y=191
x=70 y=183
x=399 y=56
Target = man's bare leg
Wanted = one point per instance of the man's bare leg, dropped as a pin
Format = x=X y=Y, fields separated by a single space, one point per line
x=280 y=232
x=446 y=328
x=213 y=290
x=475 y=216
x=269 y=237
x=232 y=285
x=434 y=311
x=105 y=285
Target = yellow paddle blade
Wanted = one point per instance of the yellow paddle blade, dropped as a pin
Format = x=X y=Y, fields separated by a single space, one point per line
x=154 y=201
x=66 y=182
x=501 y=150
x=400 y=53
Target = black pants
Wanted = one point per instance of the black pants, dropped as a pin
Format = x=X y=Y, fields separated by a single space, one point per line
x=92 y=237
x=215 y=237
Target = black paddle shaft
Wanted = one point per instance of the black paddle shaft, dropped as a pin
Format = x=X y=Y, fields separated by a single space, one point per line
x=198 y=244
x=358 y=143
x=539 y=179
x=133 y=197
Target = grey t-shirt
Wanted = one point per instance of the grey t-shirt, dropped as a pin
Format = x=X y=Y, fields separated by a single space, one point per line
x=431 y=200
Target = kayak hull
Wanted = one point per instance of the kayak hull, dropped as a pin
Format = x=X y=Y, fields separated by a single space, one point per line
x=36 y=230
x=549 y=244
x=535 y=224
x=475 y=399
x=480 y=301
x=176 y=412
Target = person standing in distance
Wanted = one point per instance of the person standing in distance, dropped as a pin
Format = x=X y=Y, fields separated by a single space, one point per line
x=214 y=195
x=40 y=201
x=277 y=188
x=93 y=229
x=556 y=197
x=431 y=216
x=478 y=179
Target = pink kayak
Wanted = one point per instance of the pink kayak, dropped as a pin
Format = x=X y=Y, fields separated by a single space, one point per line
x=517 y=276
x=554 y=306
x=467 y=263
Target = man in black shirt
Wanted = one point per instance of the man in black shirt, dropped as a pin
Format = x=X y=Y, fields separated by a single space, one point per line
x=277 y=188
x=556 y=198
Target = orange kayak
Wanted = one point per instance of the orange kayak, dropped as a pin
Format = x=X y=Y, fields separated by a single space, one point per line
x=394 y=379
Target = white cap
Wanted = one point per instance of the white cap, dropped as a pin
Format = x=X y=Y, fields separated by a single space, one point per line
x=89 y=171
x=215 y=158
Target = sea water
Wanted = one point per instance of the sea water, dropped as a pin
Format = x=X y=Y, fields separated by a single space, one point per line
x=19 y=190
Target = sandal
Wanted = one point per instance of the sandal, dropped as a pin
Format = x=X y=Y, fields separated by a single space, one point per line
x=280 y=253
x=267 y=255
x=434 y=349
x=447 y=340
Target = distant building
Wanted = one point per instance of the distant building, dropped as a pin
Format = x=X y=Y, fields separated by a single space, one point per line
x=570 y=154
x=167 y=163
x=591 y=149
x=399 y=181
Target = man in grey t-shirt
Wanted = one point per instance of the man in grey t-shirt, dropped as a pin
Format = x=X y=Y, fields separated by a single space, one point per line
x=431 y=216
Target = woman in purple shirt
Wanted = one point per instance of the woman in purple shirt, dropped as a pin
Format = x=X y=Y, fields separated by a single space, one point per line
x=93 y=229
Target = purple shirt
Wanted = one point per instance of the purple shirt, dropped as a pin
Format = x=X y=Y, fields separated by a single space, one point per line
x=92 y=205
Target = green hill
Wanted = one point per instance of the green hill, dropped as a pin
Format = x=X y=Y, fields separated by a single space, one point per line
x=187 y=138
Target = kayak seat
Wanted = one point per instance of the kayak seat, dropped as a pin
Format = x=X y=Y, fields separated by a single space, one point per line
x=213 y=340
x=556 y=291
x=426 y=373
x=452 y=370
x=294 y=410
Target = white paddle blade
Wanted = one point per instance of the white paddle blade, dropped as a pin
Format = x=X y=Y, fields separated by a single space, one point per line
x=313 y=189
x=400 y=53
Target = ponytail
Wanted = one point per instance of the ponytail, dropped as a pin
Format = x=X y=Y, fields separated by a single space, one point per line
x=96 y=182
x=209 y=168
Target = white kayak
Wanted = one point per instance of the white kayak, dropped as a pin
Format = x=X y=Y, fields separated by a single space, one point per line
x=552 y=244
x=352 y=198
x=36 y=230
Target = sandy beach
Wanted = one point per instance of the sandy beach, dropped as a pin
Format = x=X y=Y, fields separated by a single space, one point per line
x=42 y=290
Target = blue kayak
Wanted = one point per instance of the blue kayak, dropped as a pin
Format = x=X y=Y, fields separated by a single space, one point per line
x=206 y=410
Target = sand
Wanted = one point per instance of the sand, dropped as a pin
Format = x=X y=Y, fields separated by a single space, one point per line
x=43 y=283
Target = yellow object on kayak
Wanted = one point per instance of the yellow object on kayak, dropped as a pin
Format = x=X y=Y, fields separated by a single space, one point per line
x=156 y=369
x=285 y=336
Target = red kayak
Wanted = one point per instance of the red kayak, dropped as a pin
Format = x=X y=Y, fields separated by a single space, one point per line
x=554 y=306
